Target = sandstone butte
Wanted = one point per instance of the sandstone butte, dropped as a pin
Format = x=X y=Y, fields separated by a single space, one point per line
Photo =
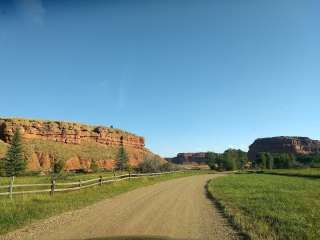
x=283 y=144
x=79 y=145
x=189 y=158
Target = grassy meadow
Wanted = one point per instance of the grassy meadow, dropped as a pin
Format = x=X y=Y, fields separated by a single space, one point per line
x=299 y=172
x=24 y=209
x=270 y=206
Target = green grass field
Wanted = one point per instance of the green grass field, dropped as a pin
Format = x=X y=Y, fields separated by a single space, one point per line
x=270 y=206
x=303 y=172
x=24 y=209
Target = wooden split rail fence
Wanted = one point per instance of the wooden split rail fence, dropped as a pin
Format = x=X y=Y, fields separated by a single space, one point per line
x=69 y=186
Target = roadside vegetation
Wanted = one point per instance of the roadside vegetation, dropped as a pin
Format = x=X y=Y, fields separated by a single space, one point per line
x=266 y=160
x=153 y=165
x=270 y=207
x=298 y=172
x=231 y=159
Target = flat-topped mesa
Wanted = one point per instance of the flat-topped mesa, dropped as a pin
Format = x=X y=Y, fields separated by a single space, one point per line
x=66 y=132
x=283 y=144
x=187 y=158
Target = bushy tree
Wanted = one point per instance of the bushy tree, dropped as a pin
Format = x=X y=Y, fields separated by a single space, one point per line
x=231 y=159
x=213 y=160
x=149 y=165
x=242 y=159
x=58 y=165
x=229 y=162
x=269 y=163
x=167 y=167
x=14 y=161
x=234 y=159
x=122 y=159
x=264 y=160
x=284 y=160
x=261 y=161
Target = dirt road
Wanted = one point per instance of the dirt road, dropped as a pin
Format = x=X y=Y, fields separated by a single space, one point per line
x=178 y=209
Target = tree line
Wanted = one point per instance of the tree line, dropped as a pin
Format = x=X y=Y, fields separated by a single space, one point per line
x=266 y=160
x=231 y=159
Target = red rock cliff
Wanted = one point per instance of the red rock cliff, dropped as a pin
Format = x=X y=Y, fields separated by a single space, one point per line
x=294 y=145
x=79 y=145
x=65 y=132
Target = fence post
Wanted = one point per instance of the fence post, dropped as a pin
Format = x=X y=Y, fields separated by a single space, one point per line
x=11 y=187
x=80 y=183
x=100 y=180
x=53 y=186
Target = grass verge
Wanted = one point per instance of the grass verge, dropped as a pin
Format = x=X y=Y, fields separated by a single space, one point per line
x=23 y=210
x=270 y=206
x=299 y=172
x=62 y=178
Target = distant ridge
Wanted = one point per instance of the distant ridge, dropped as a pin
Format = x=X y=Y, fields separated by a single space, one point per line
x=284 y=144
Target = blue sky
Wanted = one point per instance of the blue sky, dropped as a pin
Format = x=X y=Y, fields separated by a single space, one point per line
x=186 y=75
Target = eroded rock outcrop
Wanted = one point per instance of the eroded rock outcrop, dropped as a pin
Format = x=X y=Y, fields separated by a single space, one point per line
x=294 y=145
x=77 y=144
x=66 y=132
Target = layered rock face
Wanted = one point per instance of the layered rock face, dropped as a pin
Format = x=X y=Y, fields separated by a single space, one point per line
x=294 y=145
x=189 y=158
x=65 y=132
x=78 y=145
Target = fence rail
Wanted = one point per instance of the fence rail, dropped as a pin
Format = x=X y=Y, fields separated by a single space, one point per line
x=73 y=186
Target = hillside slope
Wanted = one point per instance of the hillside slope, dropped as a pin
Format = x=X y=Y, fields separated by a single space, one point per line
x=78 y=145
x=3 y=148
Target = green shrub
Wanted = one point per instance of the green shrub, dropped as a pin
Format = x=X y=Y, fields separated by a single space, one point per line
x=94 y=166
x=168 y=167
x=149 y=165
x=213 y=160
x=58 y=165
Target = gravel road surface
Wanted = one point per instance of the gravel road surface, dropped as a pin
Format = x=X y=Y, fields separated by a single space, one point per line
x=178 y=209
